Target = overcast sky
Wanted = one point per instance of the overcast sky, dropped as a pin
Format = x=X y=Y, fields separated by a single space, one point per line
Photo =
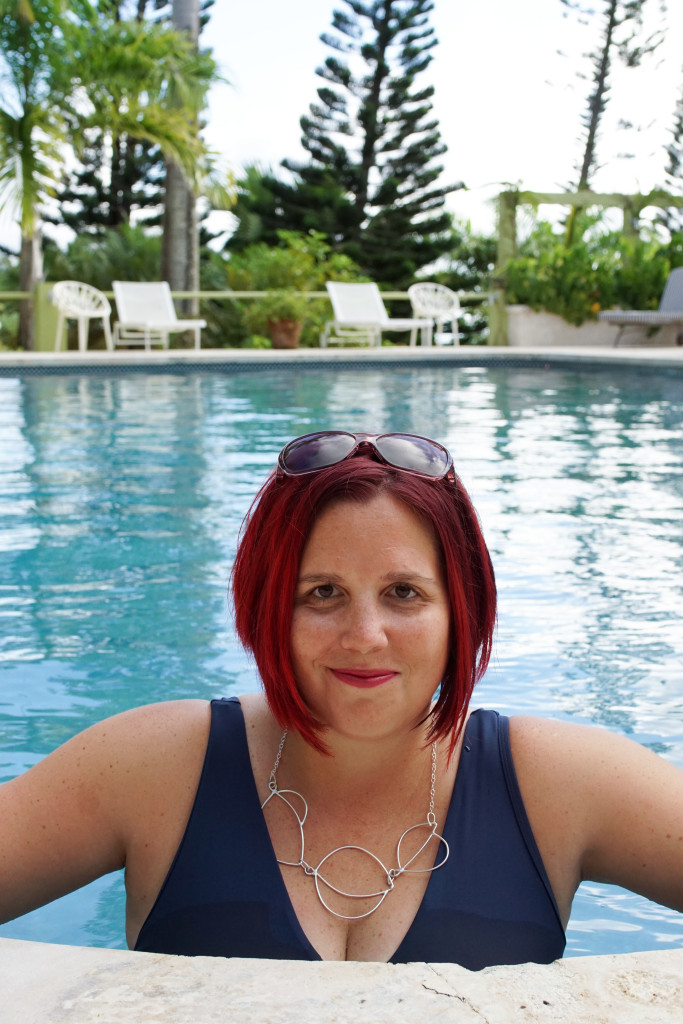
x=508 y=103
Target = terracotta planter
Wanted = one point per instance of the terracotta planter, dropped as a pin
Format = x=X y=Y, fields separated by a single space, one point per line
x=285 y=333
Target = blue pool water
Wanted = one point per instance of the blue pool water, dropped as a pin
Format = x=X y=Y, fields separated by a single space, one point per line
x=120 y=502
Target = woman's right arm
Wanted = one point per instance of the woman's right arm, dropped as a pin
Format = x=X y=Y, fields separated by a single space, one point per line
x=124 y=786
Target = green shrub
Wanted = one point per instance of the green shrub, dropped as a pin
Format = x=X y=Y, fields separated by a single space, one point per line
x=302 y=263
x=600 y=271
x=9 y=308
x=124 y=254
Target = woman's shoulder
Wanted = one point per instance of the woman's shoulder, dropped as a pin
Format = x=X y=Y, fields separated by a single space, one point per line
x=122 y=786
x=168 y=729
x=535 y=736
x=120 y=764
x=604 y=802
x=571 y=753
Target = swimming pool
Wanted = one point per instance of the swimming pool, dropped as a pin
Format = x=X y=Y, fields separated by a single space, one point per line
x=120 y=501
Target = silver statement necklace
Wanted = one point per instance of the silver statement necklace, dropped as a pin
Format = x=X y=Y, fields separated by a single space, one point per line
x=321 y=883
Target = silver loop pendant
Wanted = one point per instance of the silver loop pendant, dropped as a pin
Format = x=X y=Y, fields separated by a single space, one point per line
x=433 y=834
x=391 y=874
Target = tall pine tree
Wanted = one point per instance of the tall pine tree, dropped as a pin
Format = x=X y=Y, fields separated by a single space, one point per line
x=372 y=179
x=622 y=26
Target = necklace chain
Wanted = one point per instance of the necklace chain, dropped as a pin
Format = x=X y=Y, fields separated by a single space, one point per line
x=322 y=885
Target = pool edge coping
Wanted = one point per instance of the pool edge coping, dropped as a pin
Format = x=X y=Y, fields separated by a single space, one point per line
x=86 y=985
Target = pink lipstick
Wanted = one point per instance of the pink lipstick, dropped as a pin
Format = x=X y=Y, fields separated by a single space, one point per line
x=364 y=679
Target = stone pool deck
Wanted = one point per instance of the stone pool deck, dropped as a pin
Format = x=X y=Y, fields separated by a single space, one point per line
x=43 y=984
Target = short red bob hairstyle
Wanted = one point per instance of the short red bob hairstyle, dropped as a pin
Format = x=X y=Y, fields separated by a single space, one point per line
x=266 y=569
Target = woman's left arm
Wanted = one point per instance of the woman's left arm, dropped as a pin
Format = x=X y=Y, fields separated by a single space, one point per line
x=602 y=808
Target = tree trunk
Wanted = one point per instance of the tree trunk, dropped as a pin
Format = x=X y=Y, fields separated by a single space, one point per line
x=597 y=101
x=30 y=274
x=371 y=110
x=180 y=243
x=180 y=246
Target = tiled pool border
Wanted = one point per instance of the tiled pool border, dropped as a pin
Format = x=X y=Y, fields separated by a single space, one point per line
x=664 y=360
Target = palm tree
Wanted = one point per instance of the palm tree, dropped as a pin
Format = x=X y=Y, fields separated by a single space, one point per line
x=30 y=127
x=63 y=71
x=180 y=244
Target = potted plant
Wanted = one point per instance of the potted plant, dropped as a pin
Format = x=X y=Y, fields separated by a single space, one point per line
x=284 y=273
x=280 y=314
x=301 y=263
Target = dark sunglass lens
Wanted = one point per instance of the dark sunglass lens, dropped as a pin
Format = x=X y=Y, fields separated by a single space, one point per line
x=307 y=454
x=413 y=453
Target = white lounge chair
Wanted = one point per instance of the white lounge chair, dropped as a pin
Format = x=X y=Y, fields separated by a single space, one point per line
x=438 y=303
x=360 y=316
x=146 y=315
x=670 y=310
x=81 y=302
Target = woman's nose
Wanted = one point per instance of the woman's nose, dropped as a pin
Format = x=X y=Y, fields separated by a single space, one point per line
x=364 y=629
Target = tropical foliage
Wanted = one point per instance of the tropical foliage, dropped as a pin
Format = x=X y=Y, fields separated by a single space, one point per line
x=63 y=71
x=601 y=271
x=300 y=263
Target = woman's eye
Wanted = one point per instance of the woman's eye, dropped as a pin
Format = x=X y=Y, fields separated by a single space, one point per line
x=404 y=591
x=324 y=591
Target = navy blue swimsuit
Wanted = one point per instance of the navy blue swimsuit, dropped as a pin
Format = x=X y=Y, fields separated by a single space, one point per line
x=490 y=904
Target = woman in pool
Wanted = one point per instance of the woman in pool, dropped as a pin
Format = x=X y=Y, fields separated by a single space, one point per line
x=358 y=811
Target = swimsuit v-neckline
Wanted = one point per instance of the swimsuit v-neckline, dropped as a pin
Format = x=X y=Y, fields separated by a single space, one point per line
x=274 y=866
x=491 y=903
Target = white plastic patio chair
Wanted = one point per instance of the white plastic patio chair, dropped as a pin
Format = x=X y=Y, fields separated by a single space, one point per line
x=360 y=316
x=438 y=303
x=670 y=310
x=81 y=302
x=146 y=315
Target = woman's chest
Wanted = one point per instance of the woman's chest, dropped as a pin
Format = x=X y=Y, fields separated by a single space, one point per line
x=355 y=914
x=355 y=882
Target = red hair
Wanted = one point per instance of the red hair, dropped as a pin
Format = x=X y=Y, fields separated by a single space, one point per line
x=266 y=569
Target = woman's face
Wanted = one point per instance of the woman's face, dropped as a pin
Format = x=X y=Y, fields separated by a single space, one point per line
x=370 y=628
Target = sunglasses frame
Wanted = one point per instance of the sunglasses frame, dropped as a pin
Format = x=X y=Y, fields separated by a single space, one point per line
x=363 y=439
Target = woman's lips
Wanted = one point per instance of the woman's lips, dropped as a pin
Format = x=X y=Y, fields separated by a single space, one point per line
x=364 y=679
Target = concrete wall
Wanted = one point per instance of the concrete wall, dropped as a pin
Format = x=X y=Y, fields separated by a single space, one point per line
x=45 y=984
x=530 y=329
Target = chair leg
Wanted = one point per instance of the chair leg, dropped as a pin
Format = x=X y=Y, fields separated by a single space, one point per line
x=456 y=330
x=83 y=324
x=413 y=337
x=107 y=334
x=60 y=328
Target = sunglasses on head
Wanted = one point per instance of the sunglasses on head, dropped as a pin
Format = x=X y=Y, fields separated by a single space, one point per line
x=407 y=452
